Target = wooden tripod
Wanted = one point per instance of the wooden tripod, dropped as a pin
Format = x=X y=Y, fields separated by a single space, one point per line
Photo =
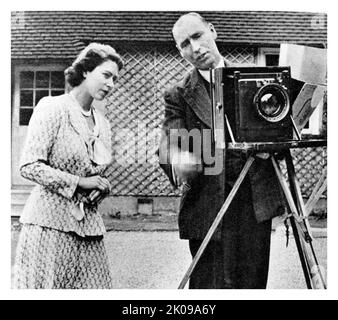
x=297 y=216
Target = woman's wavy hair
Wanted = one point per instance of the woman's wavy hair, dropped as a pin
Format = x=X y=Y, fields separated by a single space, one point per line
x=88 y=59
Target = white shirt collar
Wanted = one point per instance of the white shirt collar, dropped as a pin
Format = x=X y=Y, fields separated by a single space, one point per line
x=206 y=73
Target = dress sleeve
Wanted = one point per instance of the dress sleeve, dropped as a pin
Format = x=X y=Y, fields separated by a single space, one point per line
x=42 y=132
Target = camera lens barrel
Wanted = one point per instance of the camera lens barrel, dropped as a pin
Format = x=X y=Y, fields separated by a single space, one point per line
x=272 y=102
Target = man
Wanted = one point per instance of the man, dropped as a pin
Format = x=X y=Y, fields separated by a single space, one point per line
x=238 y=254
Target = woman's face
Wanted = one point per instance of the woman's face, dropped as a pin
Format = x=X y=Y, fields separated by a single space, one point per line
x=100 y=81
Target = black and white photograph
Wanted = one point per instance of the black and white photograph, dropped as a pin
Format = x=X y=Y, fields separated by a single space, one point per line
x=182 y=150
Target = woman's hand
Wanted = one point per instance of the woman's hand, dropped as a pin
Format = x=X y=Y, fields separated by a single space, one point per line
x=94 y=183
x=96 y=196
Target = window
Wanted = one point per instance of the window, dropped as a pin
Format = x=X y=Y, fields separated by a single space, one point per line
x=34 y=85
x=271 y=59
x=268 y=57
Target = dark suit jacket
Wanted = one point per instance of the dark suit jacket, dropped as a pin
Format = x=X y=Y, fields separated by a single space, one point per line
x=187 y=105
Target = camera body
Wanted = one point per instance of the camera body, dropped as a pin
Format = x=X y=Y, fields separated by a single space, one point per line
x=256 y=102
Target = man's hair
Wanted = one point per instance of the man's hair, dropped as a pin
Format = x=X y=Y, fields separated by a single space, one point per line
x=191 y=14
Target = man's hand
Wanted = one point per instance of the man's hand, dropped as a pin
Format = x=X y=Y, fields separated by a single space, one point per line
x=186 y=166
x=263 y=155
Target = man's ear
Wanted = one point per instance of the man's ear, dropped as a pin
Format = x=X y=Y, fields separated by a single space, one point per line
x=179 y=50
x=213 y=30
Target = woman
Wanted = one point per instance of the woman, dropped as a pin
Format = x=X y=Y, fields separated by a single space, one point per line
x=66 y=152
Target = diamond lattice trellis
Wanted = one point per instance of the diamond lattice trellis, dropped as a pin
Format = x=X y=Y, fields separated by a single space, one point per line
x=309 y=164
x=239 y=55
x=136 y=110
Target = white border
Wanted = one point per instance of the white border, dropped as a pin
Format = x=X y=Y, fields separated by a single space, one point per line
x=285 y=5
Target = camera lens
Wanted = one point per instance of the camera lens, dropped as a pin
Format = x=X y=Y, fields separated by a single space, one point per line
x=272 y=102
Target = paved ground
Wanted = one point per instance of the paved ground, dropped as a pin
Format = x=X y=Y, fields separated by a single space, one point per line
x=146 y=258
x=159 y=260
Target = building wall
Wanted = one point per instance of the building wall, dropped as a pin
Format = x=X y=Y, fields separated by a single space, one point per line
x=19 y=131
x=135 y=111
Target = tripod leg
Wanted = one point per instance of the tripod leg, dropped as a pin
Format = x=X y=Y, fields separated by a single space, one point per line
x=293 y=209
x=217 y=220
x=297 y=196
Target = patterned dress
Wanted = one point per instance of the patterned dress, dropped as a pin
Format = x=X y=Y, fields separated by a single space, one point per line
x=58 y=248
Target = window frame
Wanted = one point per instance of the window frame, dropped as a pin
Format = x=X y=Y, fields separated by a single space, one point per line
x=50 y=67
x=263 y=52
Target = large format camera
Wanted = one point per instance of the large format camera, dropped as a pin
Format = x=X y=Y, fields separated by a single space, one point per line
x=255 y=102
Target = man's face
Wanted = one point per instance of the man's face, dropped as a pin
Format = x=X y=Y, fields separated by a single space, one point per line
x=196 y=42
